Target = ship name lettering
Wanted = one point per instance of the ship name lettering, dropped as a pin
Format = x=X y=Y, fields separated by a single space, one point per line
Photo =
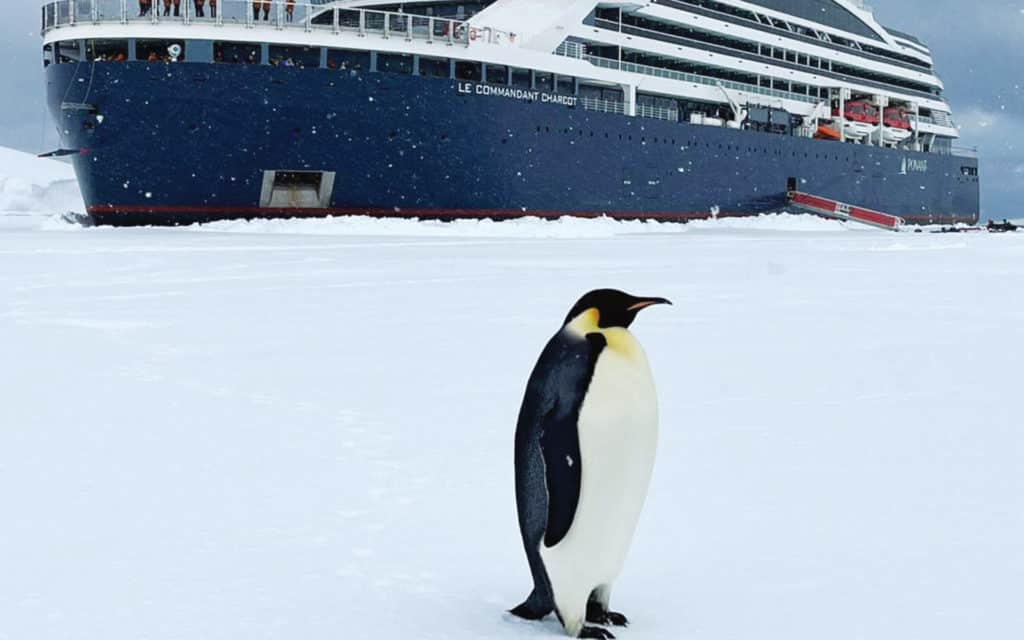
x=516 y=93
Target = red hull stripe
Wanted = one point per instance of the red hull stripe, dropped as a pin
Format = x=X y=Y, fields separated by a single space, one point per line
x=827 y=207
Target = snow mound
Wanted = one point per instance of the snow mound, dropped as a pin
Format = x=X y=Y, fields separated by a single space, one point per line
x=36 y=186
x=529 y=227
x=777 y=222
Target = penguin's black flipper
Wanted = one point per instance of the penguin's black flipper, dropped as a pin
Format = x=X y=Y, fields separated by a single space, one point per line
x=546 y=434
x=560 y=446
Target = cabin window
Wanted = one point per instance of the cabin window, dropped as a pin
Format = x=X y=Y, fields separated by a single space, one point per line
x=160 y=50
x=294 y=56
x=435 y=67
x=522 y=78
x=354 y=62
x=566 y=86
x=497 y=74
x=237 y=53
x=68 y=51
x=613 y=95
x=468 y=71
x=107 y=50
x=545 y=81
x=394 y=63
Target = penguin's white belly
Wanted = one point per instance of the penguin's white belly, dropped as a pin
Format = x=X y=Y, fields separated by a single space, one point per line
x=618 y=431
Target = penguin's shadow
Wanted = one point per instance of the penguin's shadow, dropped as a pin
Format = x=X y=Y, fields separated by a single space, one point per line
x=546 y=628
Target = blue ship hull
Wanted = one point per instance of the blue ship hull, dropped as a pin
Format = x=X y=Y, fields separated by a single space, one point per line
x=180 y=143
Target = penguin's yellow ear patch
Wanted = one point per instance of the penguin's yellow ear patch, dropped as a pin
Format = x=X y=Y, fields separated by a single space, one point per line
x=617 y=338
x=586 y=322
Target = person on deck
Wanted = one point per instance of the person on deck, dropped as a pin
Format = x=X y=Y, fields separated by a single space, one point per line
x=144 y=7
x=199 y=8
x=289 y=10
x=177 y=7
x=213 y=8
x=257 y=5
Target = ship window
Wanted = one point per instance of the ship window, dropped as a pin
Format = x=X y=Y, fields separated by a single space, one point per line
x=566 y=85
x=68 y=51
x=354 y=62
x=156 y=50
x=522 y=78
x=545 y=81
x=497 y=74
x=294 y=56
x=107 y=50
x=237 y=52
x=394 y=63
x=435 y=67
x=468 y=71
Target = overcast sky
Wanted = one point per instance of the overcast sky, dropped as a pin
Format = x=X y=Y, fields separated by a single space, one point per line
x=978 y=47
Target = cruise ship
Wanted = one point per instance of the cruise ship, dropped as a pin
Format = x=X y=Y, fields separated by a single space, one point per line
x=182 y=111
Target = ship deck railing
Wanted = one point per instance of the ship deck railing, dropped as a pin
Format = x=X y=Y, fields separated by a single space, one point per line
x=964 y=152
x=577 y=50
x=616 y=107
x=304 y=16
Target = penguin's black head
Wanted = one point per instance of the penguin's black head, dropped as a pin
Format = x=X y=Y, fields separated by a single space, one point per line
x=614 y=308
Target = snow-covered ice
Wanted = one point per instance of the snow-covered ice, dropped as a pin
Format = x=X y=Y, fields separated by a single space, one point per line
x=277 y=430
x=31 y=186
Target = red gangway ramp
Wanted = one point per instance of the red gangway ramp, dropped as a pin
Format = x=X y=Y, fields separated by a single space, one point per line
x=842 y=211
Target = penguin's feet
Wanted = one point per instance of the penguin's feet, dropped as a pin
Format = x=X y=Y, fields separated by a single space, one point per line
x=596 y=614
x=596 y=633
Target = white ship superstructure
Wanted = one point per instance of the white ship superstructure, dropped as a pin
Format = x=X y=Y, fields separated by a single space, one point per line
x=710 y=61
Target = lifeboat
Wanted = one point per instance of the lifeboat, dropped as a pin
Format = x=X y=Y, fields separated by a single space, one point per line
x=860 y=119
x=827 y=131
x=896 y=127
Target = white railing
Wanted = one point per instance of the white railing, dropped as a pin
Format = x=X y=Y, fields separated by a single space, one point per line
x=306 y=15
x=604 y=106
x=576 y=50
x=571 y=50
x=965 y=152
x=658 y=113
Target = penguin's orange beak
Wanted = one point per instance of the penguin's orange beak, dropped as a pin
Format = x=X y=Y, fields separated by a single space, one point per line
x=648 y=302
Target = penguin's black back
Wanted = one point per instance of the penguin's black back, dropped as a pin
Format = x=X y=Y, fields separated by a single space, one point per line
x=547 y=453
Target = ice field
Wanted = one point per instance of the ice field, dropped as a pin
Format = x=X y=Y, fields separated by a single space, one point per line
x=303 y=430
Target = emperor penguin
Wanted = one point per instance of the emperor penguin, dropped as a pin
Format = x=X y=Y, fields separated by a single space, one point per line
x=584 y=452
